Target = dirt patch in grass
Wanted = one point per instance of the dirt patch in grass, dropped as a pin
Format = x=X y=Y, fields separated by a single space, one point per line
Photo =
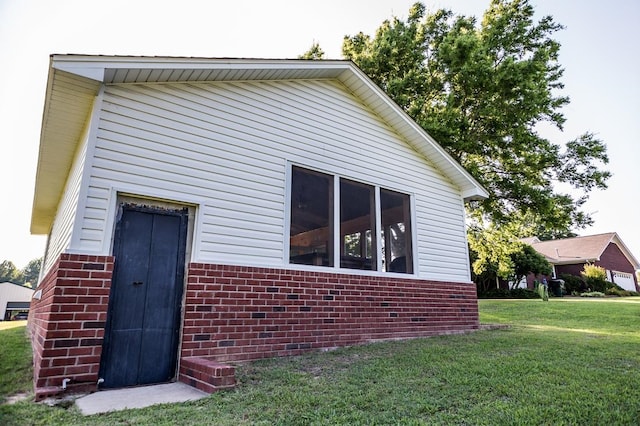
x=12 y=399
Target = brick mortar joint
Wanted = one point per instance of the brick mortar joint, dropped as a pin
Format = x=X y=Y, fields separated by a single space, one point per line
x=224 y=270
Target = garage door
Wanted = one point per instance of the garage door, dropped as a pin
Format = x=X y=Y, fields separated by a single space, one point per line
x=18 y=306
x=624 y=280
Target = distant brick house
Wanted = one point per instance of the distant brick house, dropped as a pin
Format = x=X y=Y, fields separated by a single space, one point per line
x=569 y=255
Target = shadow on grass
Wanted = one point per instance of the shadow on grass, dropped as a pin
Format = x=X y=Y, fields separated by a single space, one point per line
x=540 y=371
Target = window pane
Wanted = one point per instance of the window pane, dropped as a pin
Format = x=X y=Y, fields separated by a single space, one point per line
x=357 y=219
x=396 y=232
x=311 y=235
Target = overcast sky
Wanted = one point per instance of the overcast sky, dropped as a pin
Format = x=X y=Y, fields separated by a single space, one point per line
x=600 y=55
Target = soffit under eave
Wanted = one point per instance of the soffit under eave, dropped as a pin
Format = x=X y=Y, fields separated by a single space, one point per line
x=145 y=69
x=576 y=261
x=68 y=103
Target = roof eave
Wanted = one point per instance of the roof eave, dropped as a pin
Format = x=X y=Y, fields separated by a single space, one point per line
x=475 y=194
x=573 y=261
x=84 y=75
x=346 y=71
x=58 y=146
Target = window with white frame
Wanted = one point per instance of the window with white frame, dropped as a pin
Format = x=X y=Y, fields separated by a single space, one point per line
x=331 y=214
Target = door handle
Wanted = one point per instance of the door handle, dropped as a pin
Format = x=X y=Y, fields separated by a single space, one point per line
x=136 y=283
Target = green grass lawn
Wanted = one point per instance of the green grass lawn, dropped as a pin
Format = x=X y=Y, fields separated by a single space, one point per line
x=566 y=361
x=15 y=359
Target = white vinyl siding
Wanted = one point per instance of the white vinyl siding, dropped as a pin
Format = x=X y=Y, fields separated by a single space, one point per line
x=230 y=144
x=62 y=229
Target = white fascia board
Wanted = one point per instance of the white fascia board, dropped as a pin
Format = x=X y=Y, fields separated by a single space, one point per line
x=575 y=261
x=94 y=67
x=85 y=69
x=476 y=193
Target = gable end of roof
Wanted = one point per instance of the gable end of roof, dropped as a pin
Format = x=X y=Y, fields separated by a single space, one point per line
x=79 y=78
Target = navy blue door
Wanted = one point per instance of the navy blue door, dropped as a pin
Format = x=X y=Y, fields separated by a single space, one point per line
x=143 y=322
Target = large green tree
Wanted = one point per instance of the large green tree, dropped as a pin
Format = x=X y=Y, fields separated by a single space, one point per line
x=482 y=89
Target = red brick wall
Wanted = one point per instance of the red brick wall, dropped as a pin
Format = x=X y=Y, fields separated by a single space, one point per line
x=614 y=260
x=67 y=323
x=241 y=313
x=570 y=269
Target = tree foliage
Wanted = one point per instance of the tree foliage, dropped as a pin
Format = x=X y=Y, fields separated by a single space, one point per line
x=491 y=249
x=482 y=89
x=27 y=276
x=9 y=272
x=315 y=52
x=497 y=253
x=31 y=272
x=528 y=261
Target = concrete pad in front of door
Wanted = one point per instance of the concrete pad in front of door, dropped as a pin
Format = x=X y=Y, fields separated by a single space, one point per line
x=138 y=397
